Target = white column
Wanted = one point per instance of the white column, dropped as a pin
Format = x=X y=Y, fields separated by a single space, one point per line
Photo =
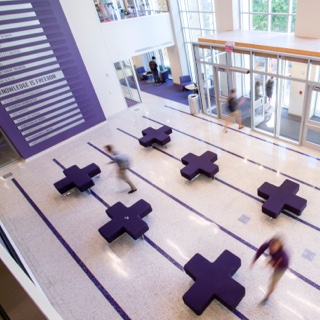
x=227 y=15
x=307 y=19
x=177 y=53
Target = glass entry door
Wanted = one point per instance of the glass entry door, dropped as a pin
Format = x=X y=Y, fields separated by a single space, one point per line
x=229 y=79
x=206 y=84
x=128 y=81
x=311 y=132
x=224 y=87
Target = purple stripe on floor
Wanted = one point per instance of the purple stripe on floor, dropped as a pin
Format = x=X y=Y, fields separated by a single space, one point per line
x=156 y=247
x=85 y=269
x=231 y=234
x=58 y=163
x=237 y=155
x=149 y=241
x=247 y=134
x=233 y=187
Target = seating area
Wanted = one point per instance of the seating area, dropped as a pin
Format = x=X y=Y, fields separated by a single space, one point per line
x=281 y=198
x=184 y=81
x=195 y=165
x=77 y=178
x=126 y=220
x=213 y=280
x=142 y=74
x=153 y=136
x=164 y=75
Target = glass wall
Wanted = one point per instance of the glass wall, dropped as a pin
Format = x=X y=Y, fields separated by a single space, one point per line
x=112 y=10
x=275 y=87
x=268 y=15
x=128 y=81
x=197 y=20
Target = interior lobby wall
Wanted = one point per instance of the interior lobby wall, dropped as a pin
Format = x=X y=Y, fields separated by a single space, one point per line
x=296 y=99
x=227 y=15
x=307 y=19
x=88 y=34
x=132 y=37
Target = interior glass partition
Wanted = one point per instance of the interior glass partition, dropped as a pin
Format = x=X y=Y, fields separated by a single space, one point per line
x=311 y=136
x=291 y=96
x=205 y=77
x=128 y=81
x=208 y=89
x=224 y=85
x=314 y=71
x=291 y=100
x=265 y=62
x=264 y=103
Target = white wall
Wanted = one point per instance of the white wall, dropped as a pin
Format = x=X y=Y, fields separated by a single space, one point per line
x=102 y=44
x=86 y=29
x=137 y=61
x=307 y=19
x=131 y=37
x=177 y=53
x=227 y=15
x=296 y=99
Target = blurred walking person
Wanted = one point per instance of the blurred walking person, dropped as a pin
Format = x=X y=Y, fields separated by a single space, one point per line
x=123 y=163
x=233 y=106
x=269 y=92
x=278 y=260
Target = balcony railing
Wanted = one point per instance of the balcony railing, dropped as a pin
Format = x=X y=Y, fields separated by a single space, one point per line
x=109 y=11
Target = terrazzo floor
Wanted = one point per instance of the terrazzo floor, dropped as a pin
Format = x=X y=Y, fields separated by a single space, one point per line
x=84 y=277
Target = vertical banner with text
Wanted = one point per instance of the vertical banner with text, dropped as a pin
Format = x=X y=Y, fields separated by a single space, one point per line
x=46 y=95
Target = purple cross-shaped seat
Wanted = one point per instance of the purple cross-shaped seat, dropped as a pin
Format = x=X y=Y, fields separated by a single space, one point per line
x=152 y=136
x=77 y=178
x=213 y=280
x=199 y=164
x=126 y=219
x=281 y=198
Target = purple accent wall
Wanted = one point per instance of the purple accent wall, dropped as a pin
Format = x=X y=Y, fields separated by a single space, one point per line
x=46 y=95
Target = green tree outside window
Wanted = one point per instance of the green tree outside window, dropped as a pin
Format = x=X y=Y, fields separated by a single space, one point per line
x=260 y=22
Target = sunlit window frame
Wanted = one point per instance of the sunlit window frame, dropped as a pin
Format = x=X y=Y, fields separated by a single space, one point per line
x=187 y=29
x=269 y=14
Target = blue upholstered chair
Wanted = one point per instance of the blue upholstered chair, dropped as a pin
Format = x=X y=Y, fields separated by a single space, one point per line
x=164 y=75
x=140 y=72
x=184 y=81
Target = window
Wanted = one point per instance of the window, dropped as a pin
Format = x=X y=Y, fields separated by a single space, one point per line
x=268 y=15
x=197 y=20
x=124 y=9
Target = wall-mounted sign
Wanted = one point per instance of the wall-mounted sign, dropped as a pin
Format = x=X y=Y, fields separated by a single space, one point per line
x=46 y=95
x=229 y=46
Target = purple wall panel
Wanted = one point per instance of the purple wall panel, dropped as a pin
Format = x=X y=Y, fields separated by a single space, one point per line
x=46 y=95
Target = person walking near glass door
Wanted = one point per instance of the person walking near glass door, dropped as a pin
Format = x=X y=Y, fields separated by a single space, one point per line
x=233 y=106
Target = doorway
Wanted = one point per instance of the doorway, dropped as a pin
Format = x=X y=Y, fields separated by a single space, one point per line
x=311 y=132
x=128 y=82
x=240 y=81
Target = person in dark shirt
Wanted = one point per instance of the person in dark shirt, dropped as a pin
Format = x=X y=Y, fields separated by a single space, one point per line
x=233 y=106
x=269 y=92
x=279 y=261
x=154 y=69
x=123 y=163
